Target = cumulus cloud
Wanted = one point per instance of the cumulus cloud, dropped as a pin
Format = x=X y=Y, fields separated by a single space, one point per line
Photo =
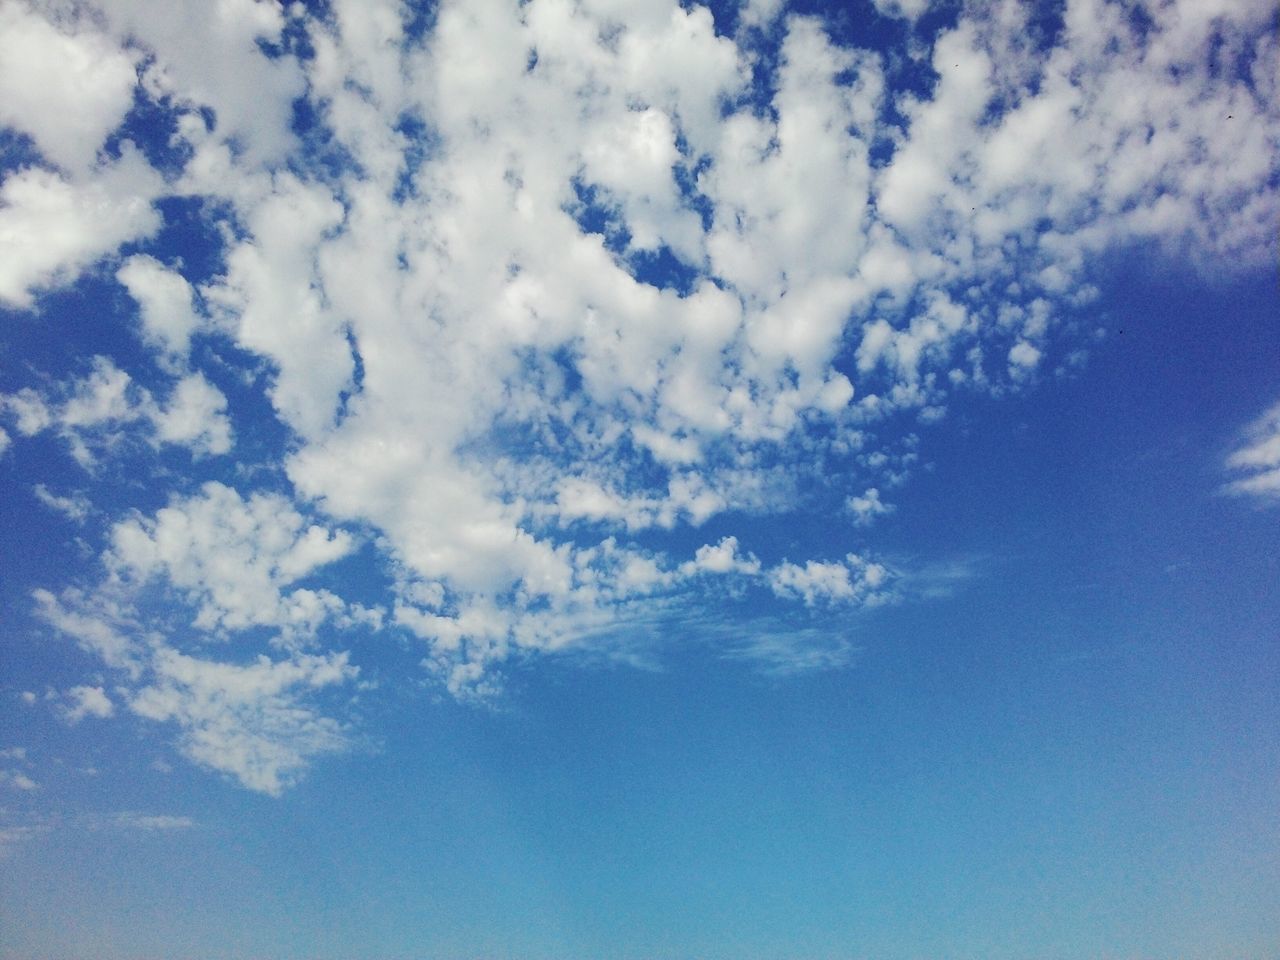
x=84 y=701
x=249 y=721
x=723 y=557
x=65 y=84
x=233 y=558
x=95 y=413
x=165 y=300
x=824 y=582
x=52 y=227
x=233 y=562
x=867 y=506
x=537 y=296
x=97 y=624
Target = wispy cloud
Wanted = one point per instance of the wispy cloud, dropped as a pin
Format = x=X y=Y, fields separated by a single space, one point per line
x=1255 y=463
x=785 y=650
x=152 y=822
x=75 y=507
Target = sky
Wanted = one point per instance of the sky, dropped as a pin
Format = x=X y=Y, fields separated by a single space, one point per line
x=628 y=478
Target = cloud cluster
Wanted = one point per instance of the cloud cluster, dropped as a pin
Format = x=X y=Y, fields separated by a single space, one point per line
x=94 y=413
x=234 y=565
x=543 y=288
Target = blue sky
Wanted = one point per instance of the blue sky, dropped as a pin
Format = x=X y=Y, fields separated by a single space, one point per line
x=639 y=480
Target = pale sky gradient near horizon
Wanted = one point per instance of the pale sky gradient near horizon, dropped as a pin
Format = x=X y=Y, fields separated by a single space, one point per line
x=634 y=479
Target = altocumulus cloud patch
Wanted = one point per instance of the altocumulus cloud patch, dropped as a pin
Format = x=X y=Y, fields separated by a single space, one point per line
x=397 y=377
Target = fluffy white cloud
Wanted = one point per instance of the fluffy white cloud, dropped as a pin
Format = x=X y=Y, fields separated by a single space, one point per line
x=195 y=417
x=723 y=557
x=868 y=506
x=249 y=721
x=819 y=581
x=257 y=722
x=233 y=558
x=65 y=84
x=52 y=227
x=94 y=413
x=906 y=9
x=84 y=701
x=233 y=562
x=208 y=54
x=165 y=299
x=557 y=283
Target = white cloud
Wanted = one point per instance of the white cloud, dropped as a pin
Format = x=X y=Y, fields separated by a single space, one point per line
x=826 y=582
x=248 y=721
x=208 y=54
x=905 y=9
x=722 y=558
x=51 y=228
x=456 y=327
x=18 y=780
x=18 y=834
x=868 y=506
x=786 y=652
x=1256 y=463
x=94 y=413
x=233 y=558
x=165 y=300
x=85 y=701
x=234 y=562
x=1023 y=356
x=195 y=417
x=64 y=84
x=270 y=293
x=100 y=627
x=75 y=507
x=760 y=13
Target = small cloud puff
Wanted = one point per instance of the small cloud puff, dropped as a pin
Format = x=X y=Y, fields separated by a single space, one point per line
x=19 y=781
x=721 y=558
x=84 y=701
x=821 y=582
x=867 y=507
x=93 y=413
